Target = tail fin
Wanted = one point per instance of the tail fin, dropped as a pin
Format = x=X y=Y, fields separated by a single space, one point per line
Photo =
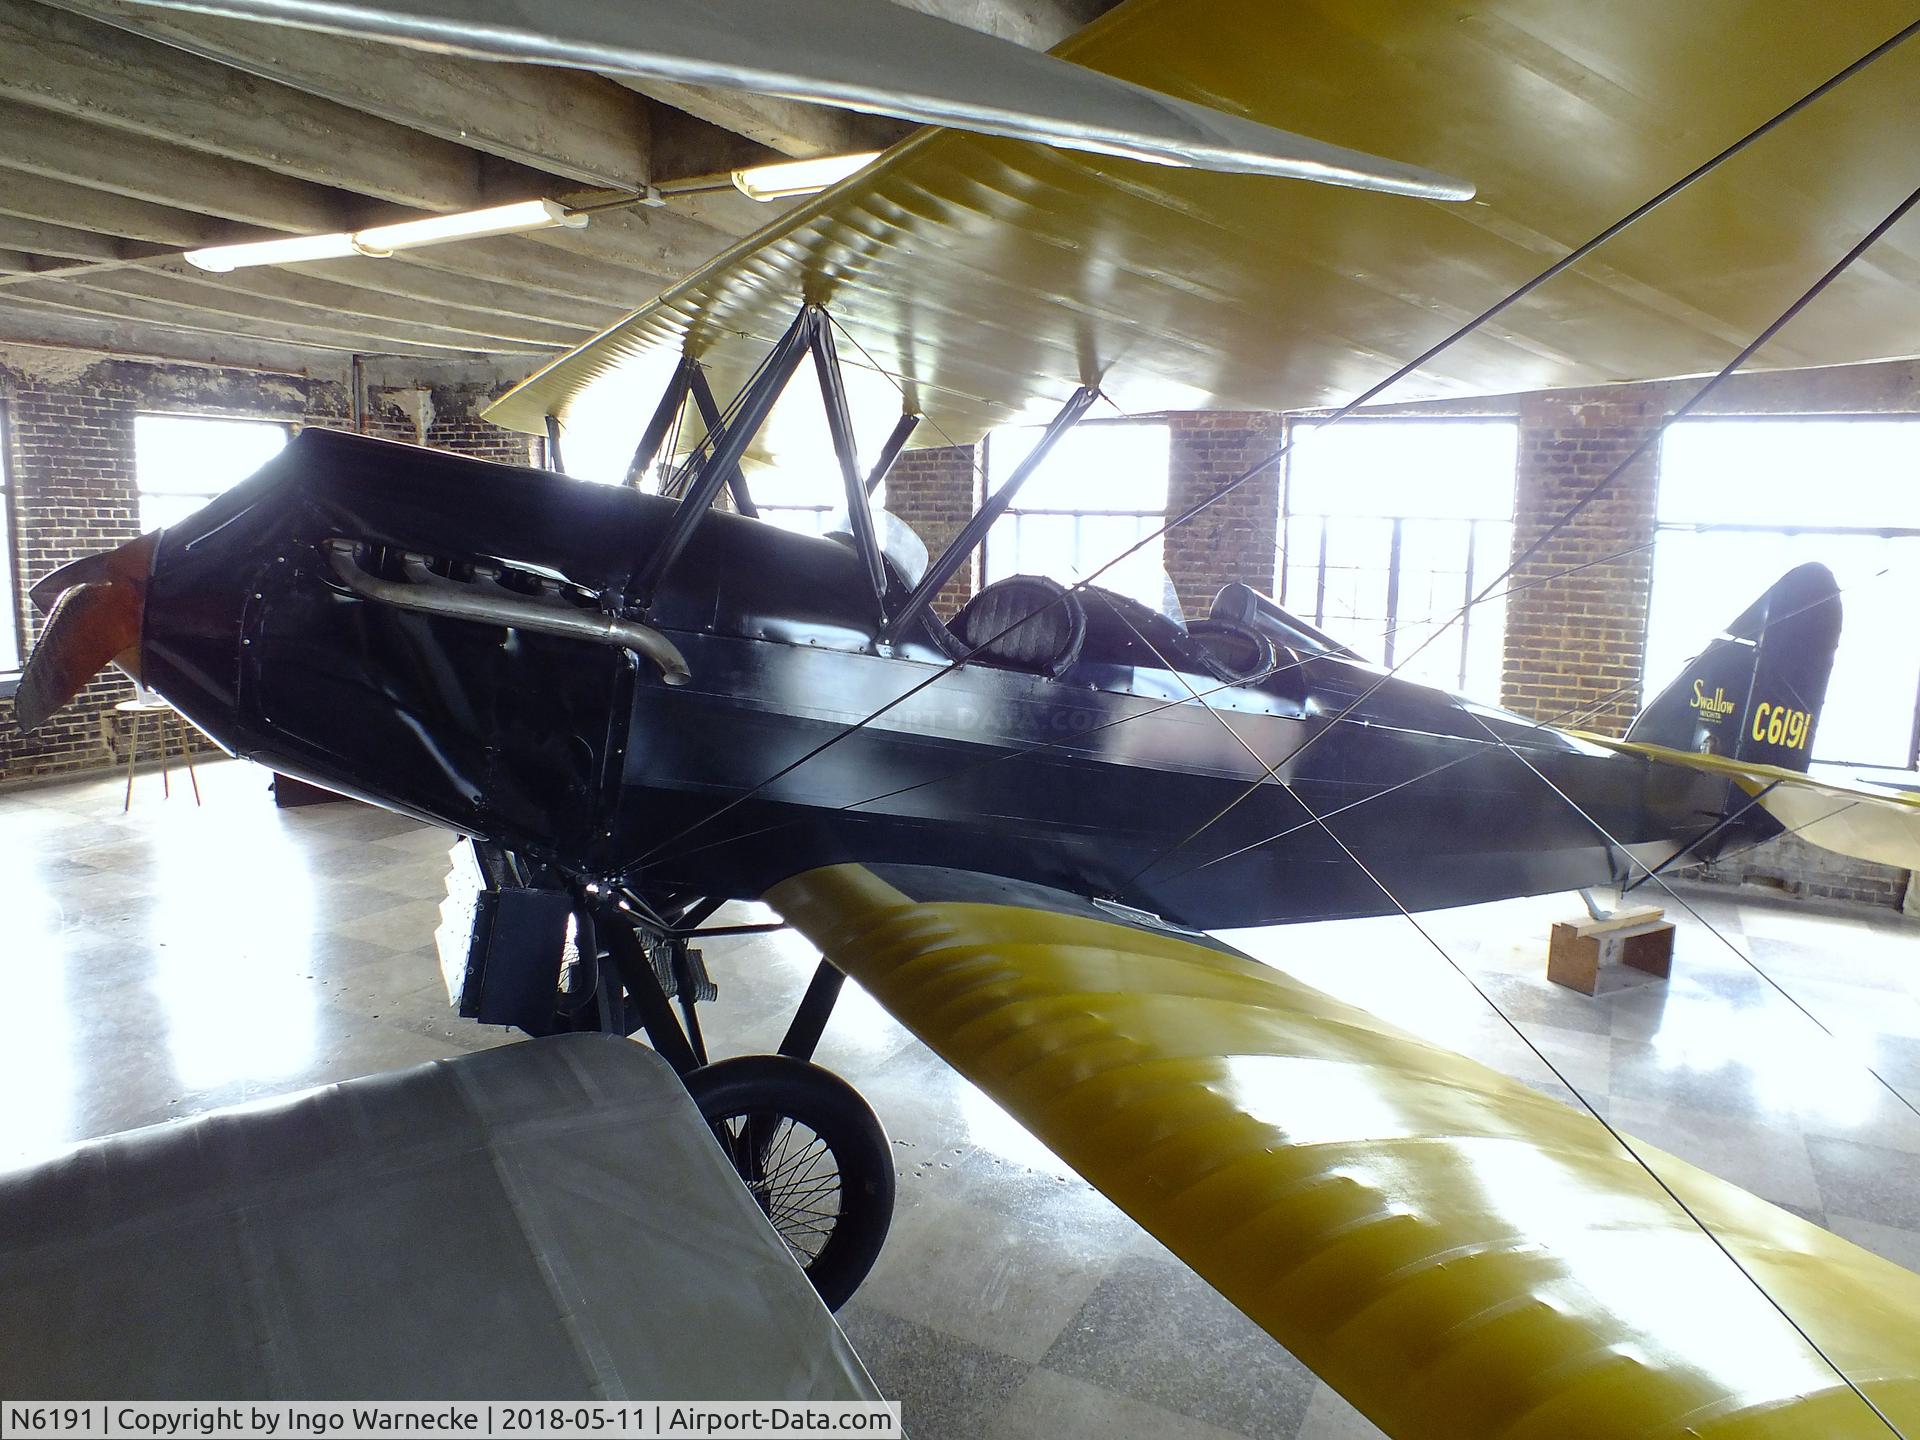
x=1755 y=693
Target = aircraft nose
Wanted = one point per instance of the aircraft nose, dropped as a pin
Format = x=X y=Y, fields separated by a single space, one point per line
x=95 y=609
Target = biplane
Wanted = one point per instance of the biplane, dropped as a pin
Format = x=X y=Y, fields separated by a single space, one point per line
x=1016 y=824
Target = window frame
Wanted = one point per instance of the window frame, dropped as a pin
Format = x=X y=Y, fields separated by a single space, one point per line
x=1008 y=524
x=1472 y=580
x=289 y=428
x=823 y=513
x=1650 y=683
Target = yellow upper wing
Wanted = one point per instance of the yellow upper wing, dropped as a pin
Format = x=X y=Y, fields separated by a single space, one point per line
x=1462 y=1258
x=996 y=275
x=1865 y=821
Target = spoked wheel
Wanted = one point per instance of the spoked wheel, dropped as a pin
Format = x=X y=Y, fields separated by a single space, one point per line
x=813 y=1155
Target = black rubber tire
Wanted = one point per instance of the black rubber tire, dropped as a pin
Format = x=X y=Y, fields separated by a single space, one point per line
x=787 y=1096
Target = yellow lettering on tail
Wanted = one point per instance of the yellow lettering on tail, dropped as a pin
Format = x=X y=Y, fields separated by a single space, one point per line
x=1778 y=725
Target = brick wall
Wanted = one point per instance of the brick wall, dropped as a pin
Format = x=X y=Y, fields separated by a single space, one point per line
x=1579 y=641
x=1576 y=642
x=71 y=487
x=934 y=492
x=71 y=491
x=1789 y=864
x=1235 y=538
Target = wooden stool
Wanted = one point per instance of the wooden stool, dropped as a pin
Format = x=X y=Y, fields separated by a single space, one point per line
x=1582 y=952
x=138 y=709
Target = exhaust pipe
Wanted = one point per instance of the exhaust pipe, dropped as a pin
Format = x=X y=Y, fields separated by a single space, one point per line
x=431 y=594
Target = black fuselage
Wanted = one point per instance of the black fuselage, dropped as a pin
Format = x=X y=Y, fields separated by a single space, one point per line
x=1109 y=779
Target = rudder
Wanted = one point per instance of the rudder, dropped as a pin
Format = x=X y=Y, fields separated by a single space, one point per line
x=1755 y=693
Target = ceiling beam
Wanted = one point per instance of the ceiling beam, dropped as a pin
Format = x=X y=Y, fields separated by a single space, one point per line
x=484 y=297
x=563 y=122
x=729 y=211
x=28 y=328
x=72 y=66
x=791 y=127
x=65 y=242
x=59 y=202
x=99 y=297
x=509 y=274
x=264 y=300
x=334 y=298
x=520 y=260
x=61 y=148
x=1036 y=24
x=653 y=240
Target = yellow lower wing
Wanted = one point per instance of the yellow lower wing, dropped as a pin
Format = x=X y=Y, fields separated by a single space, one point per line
x=1456 y=1254
x=1864 y=821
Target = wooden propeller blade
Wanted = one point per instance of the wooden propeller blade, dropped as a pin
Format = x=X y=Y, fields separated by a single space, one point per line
x=128 y=563
x=90 y=625
x=97 y=606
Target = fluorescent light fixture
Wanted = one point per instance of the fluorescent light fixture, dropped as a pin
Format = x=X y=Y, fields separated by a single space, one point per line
x=273 y=252
x=471 y=225
x=385 y=239
x=787 y=178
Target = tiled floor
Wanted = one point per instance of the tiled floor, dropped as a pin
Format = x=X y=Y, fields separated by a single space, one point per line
x=176 y=959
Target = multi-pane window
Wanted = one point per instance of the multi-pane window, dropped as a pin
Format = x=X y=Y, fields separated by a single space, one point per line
x=1101 y=491
x=1391 y=527
x=9 y=614
x=183 y=461
x=806 y=497
x=1742 y=501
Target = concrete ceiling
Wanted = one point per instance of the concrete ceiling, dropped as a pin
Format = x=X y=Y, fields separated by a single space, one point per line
x=134 y=133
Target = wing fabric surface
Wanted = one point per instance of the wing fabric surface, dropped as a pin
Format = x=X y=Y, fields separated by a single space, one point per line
x=994 y=276
x=863 y=54
x=1864 y=821
x=1462 y=1258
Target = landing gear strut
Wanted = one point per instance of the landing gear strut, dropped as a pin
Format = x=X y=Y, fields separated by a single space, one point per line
x=809 y=1149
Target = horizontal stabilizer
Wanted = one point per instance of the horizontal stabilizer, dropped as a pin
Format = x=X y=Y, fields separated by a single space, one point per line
x=1868 y=822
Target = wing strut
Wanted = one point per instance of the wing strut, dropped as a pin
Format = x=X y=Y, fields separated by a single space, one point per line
x=755 y=404
x=729 y=434
x=715 y=422
x=890 y=452
x=1379 y=387
x=664 y=414
x=833 y=393
x=991 y=509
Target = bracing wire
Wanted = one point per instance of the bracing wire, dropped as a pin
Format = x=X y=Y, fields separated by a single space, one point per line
x=1573 y=715
x=1617 y=1136
x=1281 y=667
x=1559 y=267
x=1593 y=493
x=1583 y=710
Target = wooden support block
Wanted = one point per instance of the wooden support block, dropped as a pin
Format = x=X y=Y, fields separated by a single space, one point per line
x=1584 y=954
